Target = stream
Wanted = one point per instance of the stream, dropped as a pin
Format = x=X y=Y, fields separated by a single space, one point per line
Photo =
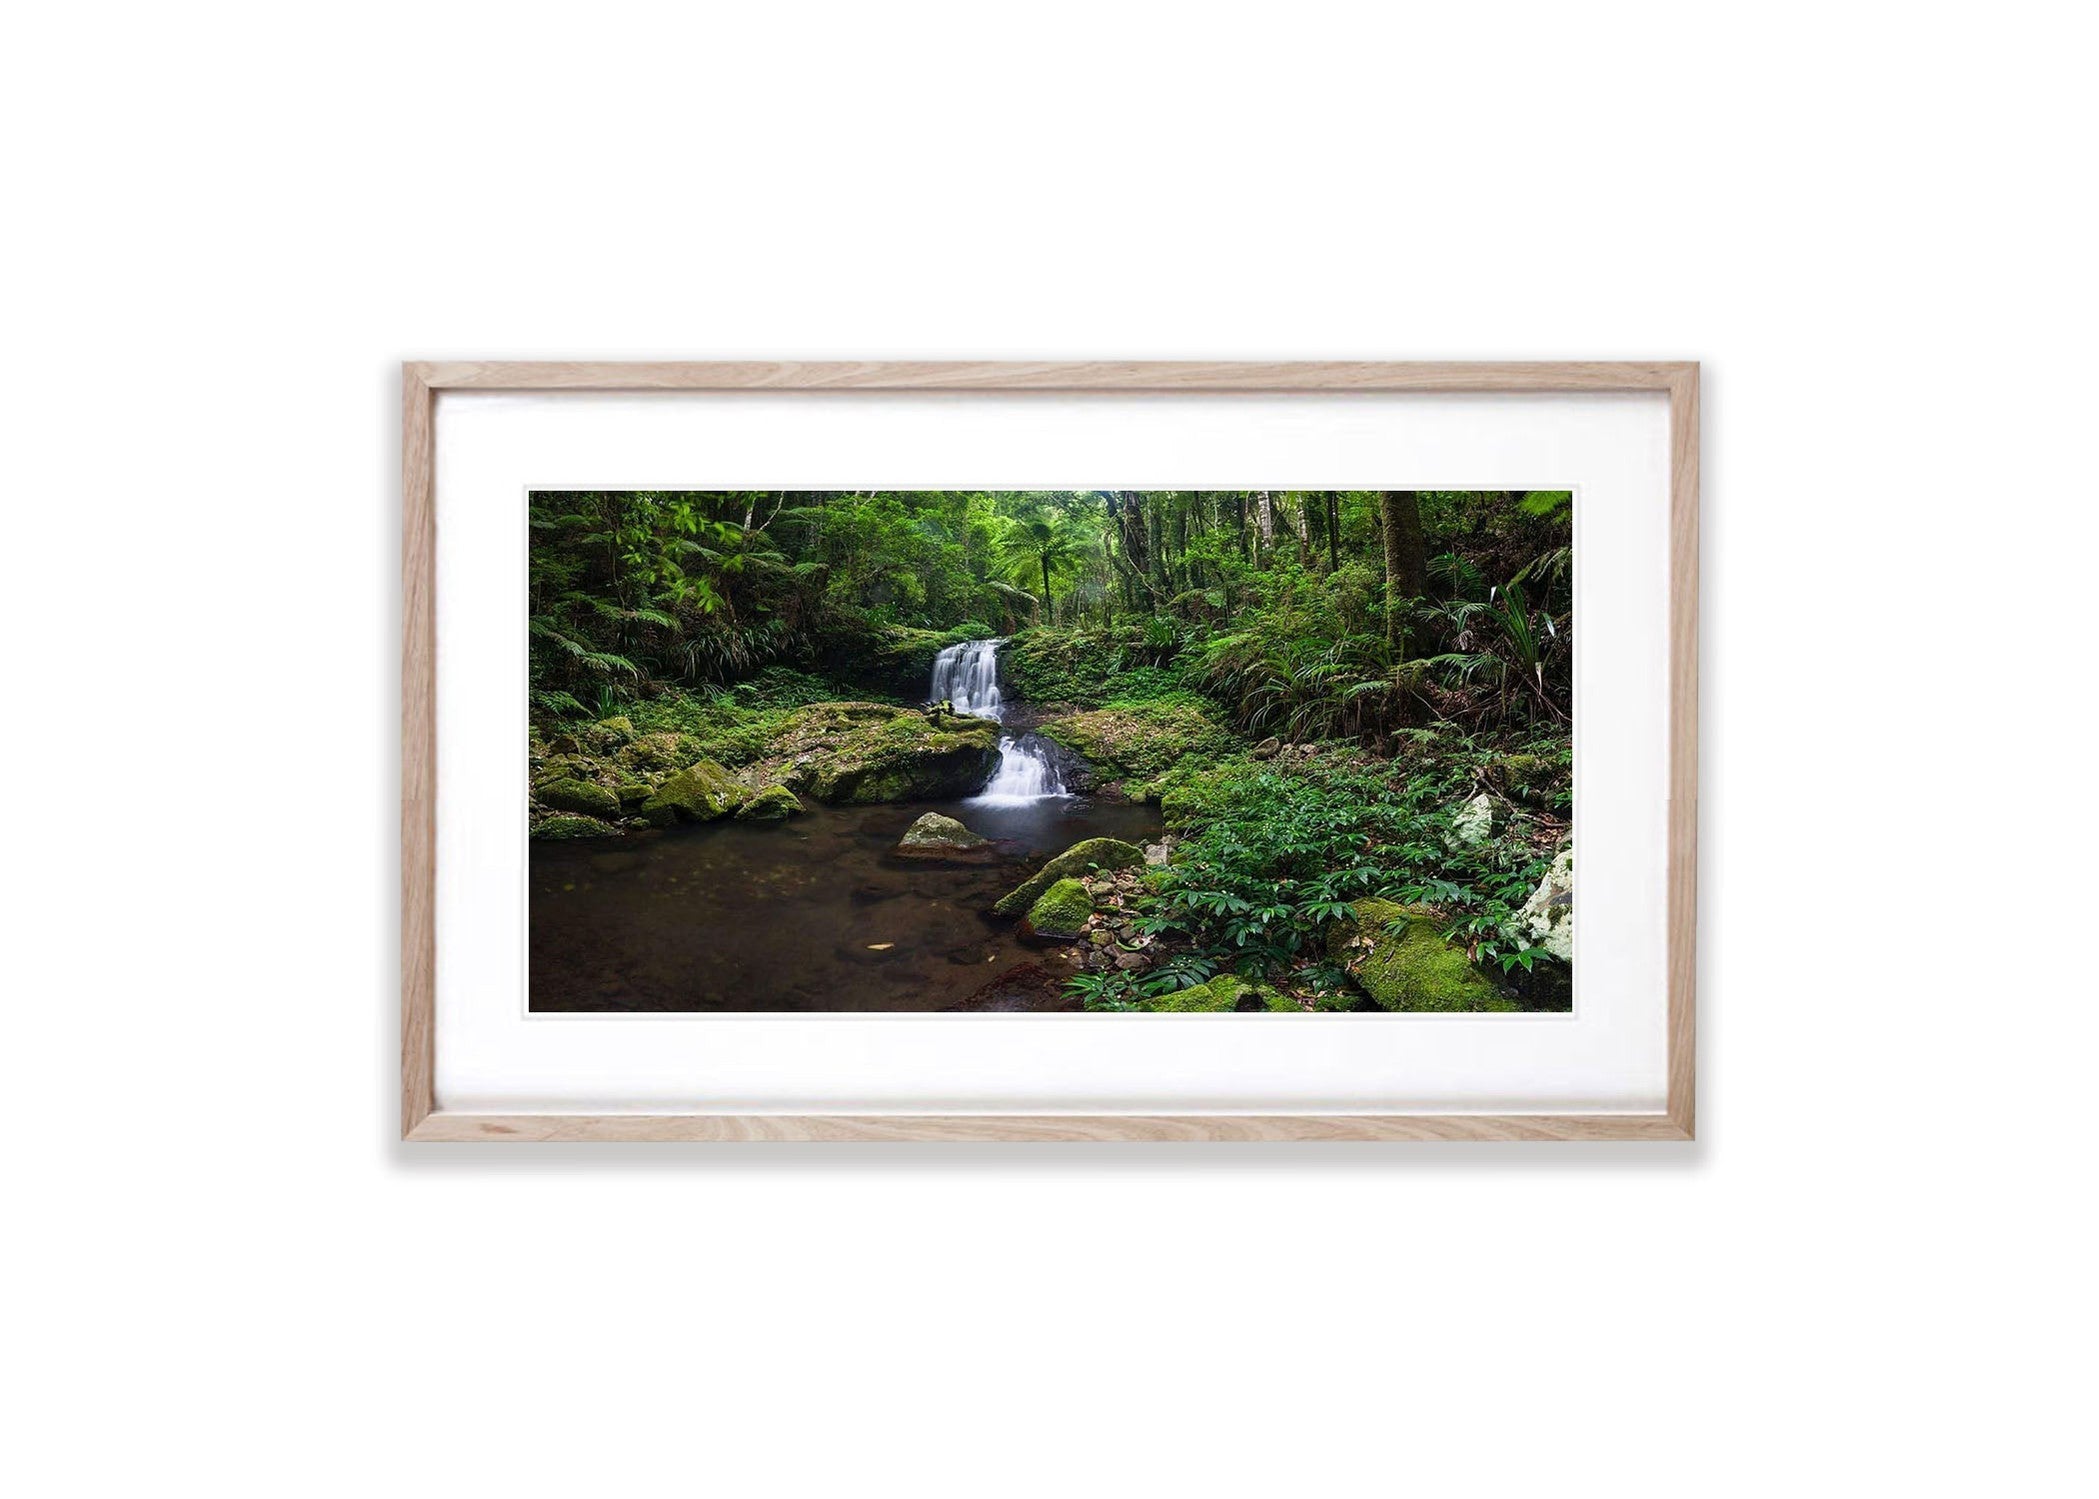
x=815 y=915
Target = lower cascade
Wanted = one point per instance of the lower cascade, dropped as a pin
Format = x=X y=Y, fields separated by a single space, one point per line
x=966 y=675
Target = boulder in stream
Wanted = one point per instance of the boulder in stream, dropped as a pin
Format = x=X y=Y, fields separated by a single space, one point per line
x=943 y=838
x=567 y=794
x=564 y=826
x=770 y=805
x=701 y=792
x=1106 y=853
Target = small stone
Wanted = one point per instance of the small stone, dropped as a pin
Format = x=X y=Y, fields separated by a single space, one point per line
x=1473 y=822
x=1548 y=916
x=770 y=805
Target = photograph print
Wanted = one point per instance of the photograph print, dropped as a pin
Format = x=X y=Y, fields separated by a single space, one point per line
x=1273 y=752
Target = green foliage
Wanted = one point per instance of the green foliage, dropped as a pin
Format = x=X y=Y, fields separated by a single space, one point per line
x=738 y=725
x=1271 y=857
x=1045 y=546
x=1159 y=993
x=1141 y=738
x=1088 y=665
x=1114 y=990
x=1183 y=972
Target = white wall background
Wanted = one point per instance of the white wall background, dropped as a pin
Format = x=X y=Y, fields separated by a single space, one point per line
x=228 y=223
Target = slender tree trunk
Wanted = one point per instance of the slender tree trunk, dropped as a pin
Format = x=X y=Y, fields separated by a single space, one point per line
x=1333 y=532
x=1161 y=569
x=1048 y=615
x=1406 y=560
x=1180 y=540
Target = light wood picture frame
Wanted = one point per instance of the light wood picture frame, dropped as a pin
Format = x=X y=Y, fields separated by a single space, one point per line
x=422 y=382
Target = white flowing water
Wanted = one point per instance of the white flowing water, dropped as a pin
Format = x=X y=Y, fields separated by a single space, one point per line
x=966 y=675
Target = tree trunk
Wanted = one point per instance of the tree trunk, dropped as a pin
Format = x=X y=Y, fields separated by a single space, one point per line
x=1406 y=560
x=1047 y=617
x=1161 y=569
x=1333 y=532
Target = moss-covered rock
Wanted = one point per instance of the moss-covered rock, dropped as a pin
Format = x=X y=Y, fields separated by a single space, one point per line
x=1062 y=911
x=895 y=755
x=1334 y=1001
x=936 y=837
x=619 y=728
x=770 y=805
x=1329 y=1002
x=698 y=793
x=576 y=767
x=658 y=751
x=1399 y=957
x=633 y=793
x=1104 y=853
x=1224 y=992
x=1527 y=778
x=564 y=826
x=570 y=795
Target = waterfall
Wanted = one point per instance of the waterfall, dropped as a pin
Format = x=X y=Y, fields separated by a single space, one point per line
x=966 y=675
x=1026 y=774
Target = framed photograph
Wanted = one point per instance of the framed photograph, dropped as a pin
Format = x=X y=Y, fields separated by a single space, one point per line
x=1136 y=751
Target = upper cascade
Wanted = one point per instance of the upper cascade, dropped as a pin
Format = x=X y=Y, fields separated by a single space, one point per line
x=967 y=676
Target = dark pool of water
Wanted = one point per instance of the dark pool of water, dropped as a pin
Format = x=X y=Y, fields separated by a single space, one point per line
x=812 y=915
